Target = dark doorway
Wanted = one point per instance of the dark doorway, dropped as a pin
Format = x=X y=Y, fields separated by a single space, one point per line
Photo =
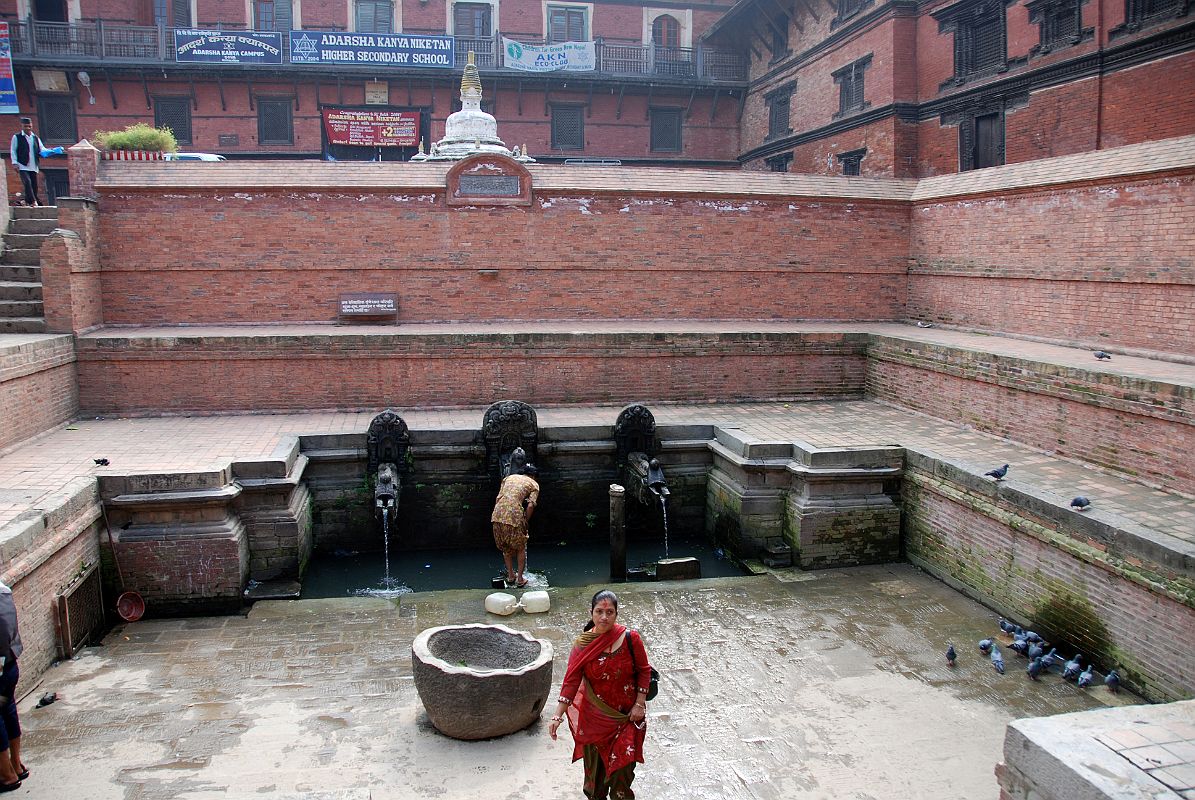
x=987 y=141
x=49 y=10
x=57 y=183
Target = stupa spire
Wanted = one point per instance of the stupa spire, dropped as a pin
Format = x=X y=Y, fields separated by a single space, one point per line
x=471 y=80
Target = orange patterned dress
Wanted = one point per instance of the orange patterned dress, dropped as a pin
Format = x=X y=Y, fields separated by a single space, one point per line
x=509 y=517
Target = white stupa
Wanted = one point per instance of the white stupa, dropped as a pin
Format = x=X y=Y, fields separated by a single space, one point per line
x=470 y=131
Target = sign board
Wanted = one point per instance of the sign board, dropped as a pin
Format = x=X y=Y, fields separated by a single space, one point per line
x=227 y=47
x=369 y=304
x=399 y=50
x=50 y=80
x=377 y=93
x=569 y=56
x=8 y=87
x=489 y=186
x=487 y=180
x=365 y=128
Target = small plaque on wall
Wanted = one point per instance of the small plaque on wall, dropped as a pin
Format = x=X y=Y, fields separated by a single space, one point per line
x=488 y=179
x=229 y=139
x=50 y=80
x=377 y=93
x=368 y=306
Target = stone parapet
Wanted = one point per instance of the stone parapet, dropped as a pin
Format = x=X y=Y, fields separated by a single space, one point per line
x=38 y=388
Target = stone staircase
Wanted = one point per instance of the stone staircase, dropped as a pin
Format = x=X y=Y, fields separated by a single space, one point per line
x=20 y=269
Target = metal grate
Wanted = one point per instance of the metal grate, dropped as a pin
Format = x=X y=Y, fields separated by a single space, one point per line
x=568 y=128
x=80 y=612
x=174 y=113
x=274 y=122
x=665 y=130
x=56 y=119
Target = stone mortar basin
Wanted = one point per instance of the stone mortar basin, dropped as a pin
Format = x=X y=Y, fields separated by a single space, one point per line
x=480 y=681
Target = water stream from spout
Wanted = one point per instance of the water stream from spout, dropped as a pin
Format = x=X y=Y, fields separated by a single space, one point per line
x=386 y=547
x=664 y=508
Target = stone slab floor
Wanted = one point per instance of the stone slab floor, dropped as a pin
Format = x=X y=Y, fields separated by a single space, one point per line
x=789 y=685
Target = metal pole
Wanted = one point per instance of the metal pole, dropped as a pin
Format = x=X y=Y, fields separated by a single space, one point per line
x=618 y=533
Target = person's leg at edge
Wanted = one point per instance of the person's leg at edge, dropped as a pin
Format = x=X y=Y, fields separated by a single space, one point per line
x=14 y=755
x=8 y=773
x=521 y=579
x=595 y=773
x=620 y=783
x=27 y=185
x=33 y=182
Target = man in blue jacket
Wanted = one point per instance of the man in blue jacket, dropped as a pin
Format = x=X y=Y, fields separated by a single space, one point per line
x=25 y=151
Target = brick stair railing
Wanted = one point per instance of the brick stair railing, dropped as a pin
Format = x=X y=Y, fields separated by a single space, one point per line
x=20 y=269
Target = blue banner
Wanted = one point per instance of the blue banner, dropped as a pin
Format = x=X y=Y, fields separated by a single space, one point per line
x=8 y=87
x=392 y=49
x=227 y=47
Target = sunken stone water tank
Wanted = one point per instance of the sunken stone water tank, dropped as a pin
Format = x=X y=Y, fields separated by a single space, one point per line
x=481 y=681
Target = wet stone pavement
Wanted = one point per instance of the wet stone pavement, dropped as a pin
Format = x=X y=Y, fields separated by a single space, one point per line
x=789 y=685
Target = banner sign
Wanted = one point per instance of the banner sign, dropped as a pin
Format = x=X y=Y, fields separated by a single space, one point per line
x=227 y=47
x=571 y=56
x=371 y=128
x=400 y=50
x=8 y=88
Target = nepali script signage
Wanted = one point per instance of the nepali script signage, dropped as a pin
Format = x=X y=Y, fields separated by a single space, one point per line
x=570 y=56
x=227 y=47
x=8 y=87
x=371 y=128
x=319 y=47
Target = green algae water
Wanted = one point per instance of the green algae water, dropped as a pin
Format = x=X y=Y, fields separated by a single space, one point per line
x=347 y=573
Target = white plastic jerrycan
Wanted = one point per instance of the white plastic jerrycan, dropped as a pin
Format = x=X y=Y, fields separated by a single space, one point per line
x=536 y=602
x=501 y=603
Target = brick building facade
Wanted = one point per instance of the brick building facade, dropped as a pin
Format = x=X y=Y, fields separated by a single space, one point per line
x=903 y=89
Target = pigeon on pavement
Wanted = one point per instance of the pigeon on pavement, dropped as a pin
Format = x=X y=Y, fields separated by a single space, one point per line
x=997 y=660
x=101 y=462
x=1112 y=681
x=1080 y=503
x=1072 y=668
x=1086 y=677
x=985 y=645
x=1102 y=356
x=1034 y=669
x=951 y=655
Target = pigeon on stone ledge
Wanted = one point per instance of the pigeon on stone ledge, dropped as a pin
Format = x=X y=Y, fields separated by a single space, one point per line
x=1034 y=669
x=1102 y=356
x=997 y=660
x=951 y=655
x=921 y=324
x=1112 y=681
x=985 y=645
x=101 y=462
x=47 y=699
x=1080 y=503
x=998 y=474
x=1072 y=668
x=1020 y=646
x=1086 y=677
x=1036 y=650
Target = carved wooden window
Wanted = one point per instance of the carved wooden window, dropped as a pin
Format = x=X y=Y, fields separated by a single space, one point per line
x=375 y=16
x=1059 y=23
x=273 y=15
x=174 y=113
x=665 y=31
x=779 y=163
x=852 y=162
x=1143 y=13
x=980 y=37
x=567 y=24
x=274 y=121
x=665 y=130
x=850 y=86
x=56 y=122
x=473 y=19
x=568 y=127
x=779 y=103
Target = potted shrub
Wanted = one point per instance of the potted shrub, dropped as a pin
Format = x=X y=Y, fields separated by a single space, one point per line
x=137 y=142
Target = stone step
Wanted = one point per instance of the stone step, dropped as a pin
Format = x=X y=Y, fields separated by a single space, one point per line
x=20 y=291
x=24 y=241
x=34 y=212
x=24 y=256
x=42 y=226
x=23 y=325
x=15 y=309
x=21 y=273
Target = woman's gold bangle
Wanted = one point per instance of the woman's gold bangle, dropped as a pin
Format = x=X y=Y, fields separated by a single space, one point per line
x=558 y=719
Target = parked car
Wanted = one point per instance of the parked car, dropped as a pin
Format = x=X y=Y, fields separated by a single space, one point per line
x=193 y=157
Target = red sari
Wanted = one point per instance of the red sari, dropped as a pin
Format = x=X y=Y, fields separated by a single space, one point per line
x=603 y=687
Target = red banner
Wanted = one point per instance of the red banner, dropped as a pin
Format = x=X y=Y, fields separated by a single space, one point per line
x=372 y=128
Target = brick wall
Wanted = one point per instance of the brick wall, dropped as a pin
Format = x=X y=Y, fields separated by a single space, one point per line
x=567 y=257
x=1101 y=264
x=291 y=373
x=37 y=388
x=1116 y=609
x=1134 y=426
x=70 y=269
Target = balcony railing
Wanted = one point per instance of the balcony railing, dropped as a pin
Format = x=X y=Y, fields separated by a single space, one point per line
x=114 y=43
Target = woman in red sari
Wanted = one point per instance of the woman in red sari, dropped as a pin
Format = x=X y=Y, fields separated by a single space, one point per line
x=605 y=696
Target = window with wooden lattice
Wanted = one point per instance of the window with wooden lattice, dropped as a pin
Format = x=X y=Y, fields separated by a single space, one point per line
x=56 y=122
x=779 y=163
x=274 y=121
x=779 y=104
x=852 y=161
x=850 y=86
x=665 y=130
x=980 y=29
x=1060 y=24
x=1140 y=14
x=567 y=24
x=665 y=31
x=568 y=127
x=474 y=20
x=174 y=113
x=374 y=16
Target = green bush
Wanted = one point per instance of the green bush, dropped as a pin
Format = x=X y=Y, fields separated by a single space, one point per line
x=138 y=136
